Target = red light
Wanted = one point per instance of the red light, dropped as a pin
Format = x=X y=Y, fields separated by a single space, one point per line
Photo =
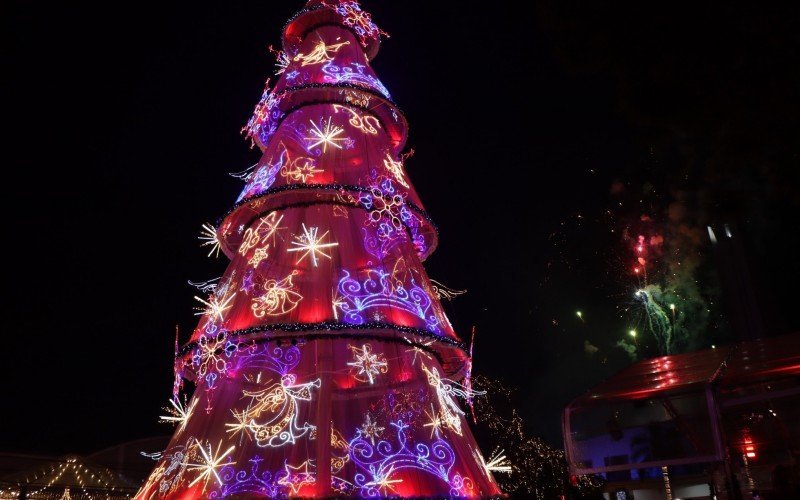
x=636 y=270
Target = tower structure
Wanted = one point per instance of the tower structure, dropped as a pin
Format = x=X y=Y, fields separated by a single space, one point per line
x=323 y=363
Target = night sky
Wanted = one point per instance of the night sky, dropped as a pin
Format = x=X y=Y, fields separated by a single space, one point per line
x=124 y=120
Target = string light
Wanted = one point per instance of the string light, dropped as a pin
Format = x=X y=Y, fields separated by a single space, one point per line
x=311 y=244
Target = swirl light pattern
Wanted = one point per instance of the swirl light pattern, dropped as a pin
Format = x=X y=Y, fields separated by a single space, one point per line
x=378 y=464
x=381 y=290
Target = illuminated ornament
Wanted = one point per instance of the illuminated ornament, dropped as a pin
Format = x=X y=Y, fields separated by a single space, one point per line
x=259 y=255
x=336 y=304
x=311 y=244
x=353 y=74
x=325 y=136
x=446 y=389
x=371 y=430
x=378 y=464
x=396 y=169
x=264 y=176
x=300 y=169
x=443 y=292
x=215 y=308
x=417 y=350
x=369 y=365
x=205 y=286
x=365 y=123
x=250 y=239
x=269 y=226
x=384 y=202
x=279 y=298
x=209 y=238
x=212 y=462
x=497 y=463
x=240 y=483
x=282 y=60
x=265 y=117
x=361 y=21
x=295 y=478
x=321 y=53
x=178 y=414
x=380 y=290
x=271 y=417
x=434 y=421
x=210 y=357
x=338 y=442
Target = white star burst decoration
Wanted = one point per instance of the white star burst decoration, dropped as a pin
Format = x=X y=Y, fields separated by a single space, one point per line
x=370 y=430
x=367 y=363
x=311 y=244
x=212 y=461
x=214 y=306
x=178 y=414
x=328 y=135
x=434 y=421
x=209 y=238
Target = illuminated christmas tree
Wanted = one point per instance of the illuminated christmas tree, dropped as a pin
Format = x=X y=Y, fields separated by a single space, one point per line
x=324 y=364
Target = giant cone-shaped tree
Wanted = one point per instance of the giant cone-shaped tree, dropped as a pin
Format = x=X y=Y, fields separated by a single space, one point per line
x=324 y=364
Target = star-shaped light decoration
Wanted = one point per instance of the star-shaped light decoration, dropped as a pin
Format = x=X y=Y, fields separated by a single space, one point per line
x=328 y=135
x=215 y=307
x=310 y=243
x=368 y=364
x=178 y=414
x=381 y=480
x=297 y=477
x=240 y=424
x=259 y=255
x=209 y=238
x=269 y=226
x=434 y=421
x=212 y=462
x=371 y=430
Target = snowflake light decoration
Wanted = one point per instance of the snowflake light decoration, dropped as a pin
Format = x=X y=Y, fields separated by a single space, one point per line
x=311 y=243
x=212 y=461
x=368 y=364
x=326 y=136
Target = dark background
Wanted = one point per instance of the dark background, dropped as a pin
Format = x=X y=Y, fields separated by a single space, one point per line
x=125 y=118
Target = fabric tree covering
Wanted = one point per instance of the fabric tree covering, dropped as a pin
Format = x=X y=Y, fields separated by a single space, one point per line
x=324 y=364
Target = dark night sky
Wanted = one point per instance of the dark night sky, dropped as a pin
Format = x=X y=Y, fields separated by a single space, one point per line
x=125 y=119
